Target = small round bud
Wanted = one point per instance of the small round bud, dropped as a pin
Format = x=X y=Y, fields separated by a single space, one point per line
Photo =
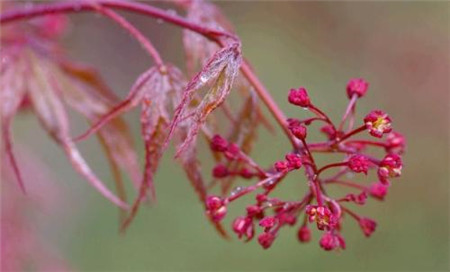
x=215 y=208
x=232 y=152
x=359 y=164
x=246 y=173
x=357 y=86
x=395 y=143
x=299 y=97
x=268 y=222
x=330 y=241
x=220 y=171
x=299 y=131
x=281 y=166
x=254 y=211
x=294 y=160
x=219 y=144
x=266 y=239
x=304 y=234
x=367 y=225
x=378 y=190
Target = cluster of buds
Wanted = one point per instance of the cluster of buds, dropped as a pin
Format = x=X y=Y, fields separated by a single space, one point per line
x=326 y=212
x=173 y=108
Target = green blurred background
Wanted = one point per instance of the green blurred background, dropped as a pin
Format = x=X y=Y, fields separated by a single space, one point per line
x=401 y=48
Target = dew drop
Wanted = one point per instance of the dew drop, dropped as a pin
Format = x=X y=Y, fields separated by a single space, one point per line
x=204 y=78
x=236 y=190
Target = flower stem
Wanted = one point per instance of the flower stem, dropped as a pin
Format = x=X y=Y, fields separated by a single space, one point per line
x=331 y=165
x=351 y=133
x=350 y=109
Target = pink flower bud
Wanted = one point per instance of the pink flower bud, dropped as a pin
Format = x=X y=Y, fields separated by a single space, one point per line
x=367 y=225
x=281 y=166
x=378 y=190
x=357 y=86
x=215 y=208
x=246 y=173
x=266 y=239
x=299 y=97
x=299 y=131
x=232 y=152
x=260 y=198
x=390 y=167
x=294 y=160
x=359 y=163
x=304 y=234
x=330 y=241
x=254 y=211
x=268 y=222
x=378 y=123
x=243 y=226
x=218 y=144
x=220 y=171
x=395 y=143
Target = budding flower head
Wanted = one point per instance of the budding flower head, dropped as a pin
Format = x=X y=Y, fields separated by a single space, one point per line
x=299 y=97
x=378 y=190
x=330 y=241
x=215 y=208
x=266 y=239
x=281 y=166
x=219 y=144
x=323 y=216
x=298 y=130
x=243 y=226
x=378 y=123
x=359 y=163
x=246 y=173
x=357 y=86
x=367 y=225
x=294 y=160
x=395 y=142
x=304 y=234
x=220 y=171
x=390 y=167
x=268 y=222
x=233 y=151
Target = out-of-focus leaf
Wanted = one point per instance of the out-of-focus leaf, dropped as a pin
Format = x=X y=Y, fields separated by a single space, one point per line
x=84 y=91
x=12 y=93
x=45 y=93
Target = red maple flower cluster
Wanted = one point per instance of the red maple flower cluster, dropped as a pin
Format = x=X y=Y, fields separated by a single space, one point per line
x=325 y=211
x=179 y=107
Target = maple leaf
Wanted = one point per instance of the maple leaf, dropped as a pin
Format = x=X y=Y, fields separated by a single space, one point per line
x=220 y=71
